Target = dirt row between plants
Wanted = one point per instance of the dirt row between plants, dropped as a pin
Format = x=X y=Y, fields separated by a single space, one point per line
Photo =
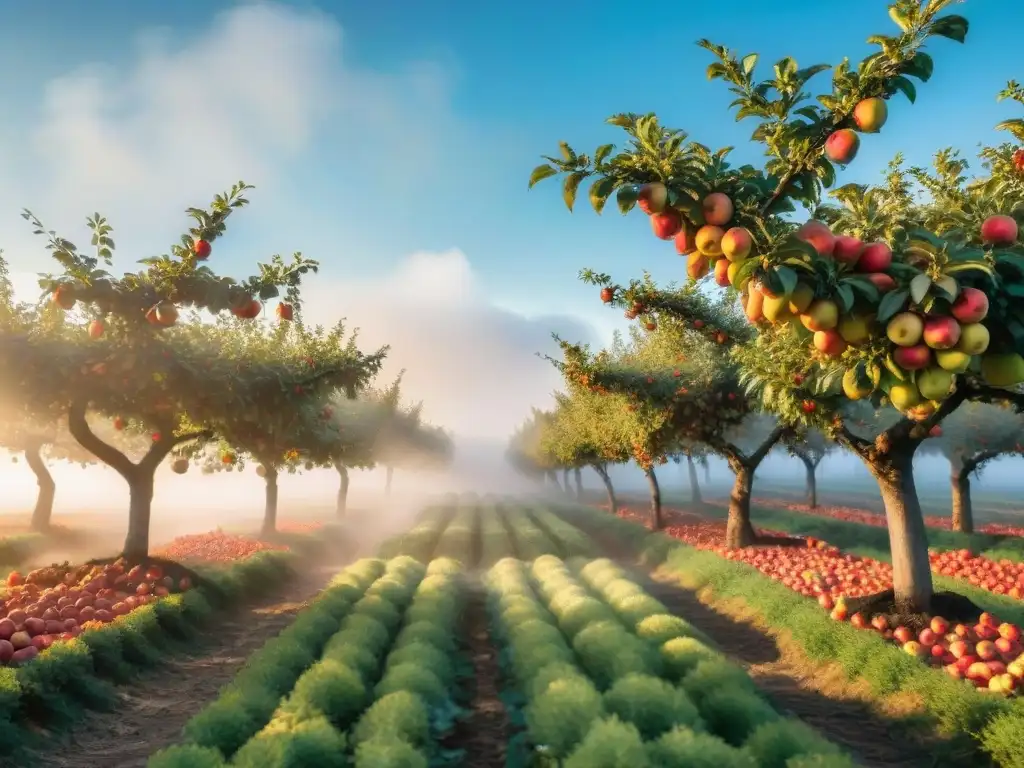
x=483 y=734
x=152 y=710
x=878 y=734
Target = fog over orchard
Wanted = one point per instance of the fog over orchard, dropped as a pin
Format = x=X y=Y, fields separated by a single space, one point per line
x=100 y=136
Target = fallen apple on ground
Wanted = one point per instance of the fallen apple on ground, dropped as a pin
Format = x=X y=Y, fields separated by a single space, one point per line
x=60 y=601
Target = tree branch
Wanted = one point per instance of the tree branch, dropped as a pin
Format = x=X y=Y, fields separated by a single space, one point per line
x=108 y=454
x=755 y=459
x=986 y=394
x=852 y=442
x=202 y=434
x=973 y=463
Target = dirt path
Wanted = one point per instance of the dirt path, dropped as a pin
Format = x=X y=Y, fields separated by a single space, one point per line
x=819 y=695
x=484 y=734
x=154 y=708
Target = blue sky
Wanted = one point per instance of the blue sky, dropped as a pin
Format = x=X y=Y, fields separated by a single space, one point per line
x=378 y=130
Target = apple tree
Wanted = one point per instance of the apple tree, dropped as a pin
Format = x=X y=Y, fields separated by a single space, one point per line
x=970 y=438
x=137 y=367
x=528 y=451
x=279 y=436
x=810 y=447
x=683 y=387
x=926 y=318
x=403 y=440
x=694 y=455
x=590 y=430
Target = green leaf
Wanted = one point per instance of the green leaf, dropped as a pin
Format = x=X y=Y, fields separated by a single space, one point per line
x=891 y=304
x=1015 y=289
x=905 y=86
x=749 y=62
x=567 y=154
x=864 y=287
x=690 y=208
x=919 y=288
x=787 y=280
x=569 y=188
x=626 y=197
x=921 y=67
x=899 y=18
x=892 y=368
x=953 y=27
x=599 y=192
x=602 y=152
x=845 y=295
x=826 y=172
x=542 y=172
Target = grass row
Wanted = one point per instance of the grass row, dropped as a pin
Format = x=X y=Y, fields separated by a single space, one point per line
x=479 y=533
x=420 y=541
x=380 y=693
x=71 y=676
x=248 y=702
x=974 y=722
x=594 y=693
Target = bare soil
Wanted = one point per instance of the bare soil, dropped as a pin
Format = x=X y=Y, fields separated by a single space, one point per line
x=485 y=733
x=154 y=708
x=880 y=734
x=820 y=695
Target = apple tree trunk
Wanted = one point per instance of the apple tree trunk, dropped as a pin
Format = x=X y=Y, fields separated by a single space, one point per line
x=657 y=522
x=811 y=481
x=695 y=495
x=565 y=482
x=140 y=510
x=270 y=503
x=707 y=473
x=387 y=480
x=908 y=537
x=341 y=505
x=43 y=510
x=602 y=472
x=578 y=478
x=963 y=509
x=552 y=477
x=739 y=531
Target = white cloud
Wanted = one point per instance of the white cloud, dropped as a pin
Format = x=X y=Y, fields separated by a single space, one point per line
x=473 y=363
x=250 y=97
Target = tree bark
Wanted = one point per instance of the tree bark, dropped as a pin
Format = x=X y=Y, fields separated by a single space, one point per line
x=387 y=482
x=908 y=537
x=43 y=510
x=140 y=476
x=657 y=522
x=963 y=509
x=812 y=482
x=707 y=473
x=270 y=503
x=553 y=478
x=140 y=509
x=341 y=505
x=602 y=472
x=565 y=482
x=695 y=496
x=577 y=477
x=739 y=531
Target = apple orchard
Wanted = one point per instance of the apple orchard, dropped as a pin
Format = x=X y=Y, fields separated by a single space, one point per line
x=915 y=303
x=114 y=367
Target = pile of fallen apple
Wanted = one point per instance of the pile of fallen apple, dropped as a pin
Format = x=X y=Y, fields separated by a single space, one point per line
x=816 y=569
x=987 y=654
x=1004 y=577
x=59 y=602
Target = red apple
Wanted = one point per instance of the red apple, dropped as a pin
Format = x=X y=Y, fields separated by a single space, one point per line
x=971 y=306
x=999 y=230
x=913 y=358
x=847 y=249
x=876 y=257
